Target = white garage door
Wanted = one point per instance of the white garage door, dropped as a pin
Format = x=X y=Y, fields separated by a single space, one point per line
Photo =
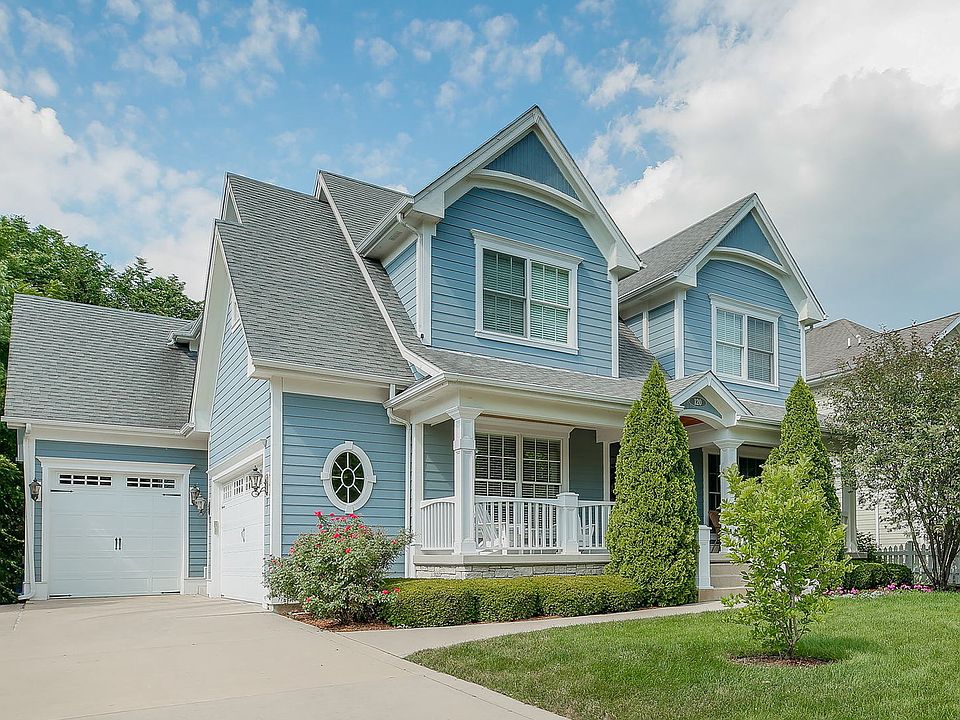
x=113 y=534
x=241 y=542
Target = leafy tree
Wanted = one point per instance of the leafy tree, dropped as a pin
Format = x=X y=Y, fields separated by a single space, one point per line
x=897 y=415
x=652 y=536
x=41 y=261
x=779 y=527
x=11 y=530
x=801 y=438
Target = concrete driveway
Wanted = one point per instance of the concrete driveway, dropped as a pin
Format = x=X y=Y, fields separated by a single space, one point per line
x=191 y=657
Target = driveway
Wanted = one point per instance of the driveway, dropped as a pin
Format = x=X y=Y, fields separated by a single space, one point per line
x=191 y=657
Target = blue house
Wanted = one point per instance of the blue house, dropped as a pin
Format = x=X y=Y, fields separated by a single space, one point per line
x=458 y=361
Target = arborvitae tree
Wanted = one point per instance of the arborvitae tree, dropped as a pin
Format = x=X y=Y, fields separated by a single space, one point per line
x=801 y=438
x=652 y=536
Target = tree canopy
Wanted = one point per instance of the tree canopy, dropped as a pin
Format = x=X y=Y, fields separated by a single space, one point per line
x=897 y=416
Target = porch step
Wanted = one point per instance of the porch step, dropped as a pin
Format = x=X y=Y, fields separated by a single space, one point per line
x=716 y=593
x=725 y=574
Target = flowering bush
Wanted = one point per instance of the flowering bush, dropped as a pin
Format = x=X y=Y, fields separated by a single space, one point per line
x=876 y=592
x=338 y=571
x=779 y=527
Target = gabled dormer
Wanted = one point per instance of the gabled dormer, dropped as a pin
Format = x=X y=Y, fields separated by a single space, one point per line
x=509 y=254
x=725 y=295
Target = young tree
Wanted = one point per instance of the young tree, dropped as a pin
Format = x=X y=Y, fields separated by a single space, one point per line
x=801 y=438
x=652 y=536
x=779 y=528
x=897 y=414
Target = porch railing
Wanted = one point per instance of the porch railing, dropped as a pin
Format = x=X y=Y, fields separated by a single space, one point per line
x=564 y=524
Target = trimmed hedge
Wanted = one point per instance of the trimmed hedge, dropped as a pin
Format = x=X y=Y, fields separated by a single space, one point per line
x=431 y=603
x=869 y=575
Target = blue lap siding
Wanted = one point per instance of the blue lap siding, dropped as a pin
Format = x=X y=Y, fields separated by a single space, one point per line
x=438 y=460
x=530 y=221
x=529 y=158
x=241 y=405
x=586 y=464
x=312 y=427
x=403 y=273
x=737 y=281
x=661 y=337
x=134 y=453
x=748 y=236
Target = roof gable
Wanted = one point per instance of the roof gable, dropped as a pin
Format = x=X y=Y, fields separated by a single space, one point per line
x=530 y=159
x=748 y=237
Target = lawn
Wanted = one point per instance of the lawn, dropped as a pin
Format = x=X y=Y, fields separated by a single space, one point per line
x=896 y=657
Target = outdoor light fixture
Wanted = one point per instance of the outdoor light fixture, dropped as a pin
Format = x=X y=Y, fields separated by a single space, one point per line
x=257 y=481
x=197 y=499
x=35 y=488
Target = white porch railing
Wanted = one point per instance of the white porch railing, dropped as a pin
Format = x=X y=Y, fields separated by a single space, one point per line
x=564 y=524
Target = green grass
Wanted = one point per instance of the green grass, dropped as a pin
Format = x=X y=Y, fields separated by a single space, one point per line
x=898 y=657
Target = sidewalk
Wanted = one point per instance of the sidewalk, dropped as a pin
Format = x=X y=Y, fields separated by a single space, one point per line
x=403 y=642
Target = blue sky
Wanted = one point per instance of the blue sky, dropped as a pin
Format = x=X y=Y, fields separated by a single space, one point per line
x=119 y=117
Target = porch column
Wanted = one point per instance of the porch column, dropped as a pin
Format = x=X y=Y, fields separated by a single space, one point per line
x=464 y=469
x=848 y=507
x=728 y=458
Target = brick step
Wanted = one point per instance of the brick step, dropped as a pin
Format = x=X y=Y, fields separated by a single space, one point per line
x=716 y=593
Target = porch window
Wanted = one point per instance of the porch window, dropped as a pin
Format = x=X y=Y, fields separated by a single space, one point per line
x=744 y=346
x=526 y=294
x=508 y=463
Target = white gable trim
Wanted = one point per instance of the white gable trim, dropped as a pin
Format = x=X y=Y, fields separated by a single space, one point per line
x=730 y=408
x=789 y=274
x=433 y=199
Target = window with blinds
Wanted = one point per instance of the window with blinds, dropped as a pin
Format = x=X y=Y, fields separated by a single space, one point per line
x=526 y=298
x=745 y=346
x=506 y=463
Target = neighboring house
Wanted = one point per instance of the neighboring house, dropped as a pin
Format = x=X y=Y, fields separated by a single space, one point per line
x=458 y=361
x=832 y=348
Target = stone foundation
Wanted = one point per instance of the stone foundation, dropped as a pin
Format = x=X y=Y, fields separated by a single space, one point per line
x=505 y=570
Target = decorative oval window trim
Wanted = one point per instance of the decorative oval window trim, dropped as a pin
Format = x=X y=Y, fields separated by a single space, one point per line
x=369 y=478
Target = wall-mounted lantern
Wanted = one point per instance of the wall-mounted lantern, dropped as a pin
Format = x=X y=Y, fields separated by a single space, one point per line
x=258 y=482
x=197 y=499
x=35 y=489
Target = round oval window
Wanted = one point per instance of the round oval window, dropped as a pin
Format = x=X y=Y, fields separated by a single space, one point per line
x=348 y=477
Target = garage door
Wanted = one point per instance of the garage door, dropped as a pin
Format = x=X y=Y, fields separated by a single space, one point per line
x=113 y=534
x=241 y=542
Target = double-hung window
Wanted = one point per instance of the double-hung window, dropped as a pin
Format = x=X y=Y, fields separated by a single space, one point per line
x=517 y=466
x=525 y=294
x=745 y=344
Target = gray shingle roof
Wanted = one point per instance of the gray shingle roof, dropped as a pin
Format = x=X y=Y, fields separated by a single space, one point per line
x=672 y=255
x=81 y=363
x=368 y=203
x=836 y=344
x=301 y=295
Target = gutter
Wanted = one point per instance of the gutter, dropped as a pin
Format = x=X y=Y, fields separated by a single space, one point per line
x=409 y=510
x=380 y=229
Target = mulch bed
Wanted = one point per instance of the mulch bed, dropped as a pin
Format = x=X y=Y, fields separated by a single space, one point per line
x=778 y=661
x=335 y=625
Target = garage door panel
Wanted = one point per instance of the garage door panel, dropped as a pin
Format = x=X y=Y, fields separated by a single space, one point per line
x=242 y=547
x=114 y=539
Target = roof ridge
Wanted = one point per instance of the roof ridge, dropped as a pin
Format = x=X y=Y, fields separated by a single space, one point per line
x=365 y=182
x=739 y=203
x=311 y=196
x=104 y=308
x=926 y=322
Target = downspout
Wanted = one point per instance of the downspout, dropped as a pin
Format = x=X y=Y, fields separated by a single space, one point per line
x=407 y=481
x=408 y=226
x=29 y=511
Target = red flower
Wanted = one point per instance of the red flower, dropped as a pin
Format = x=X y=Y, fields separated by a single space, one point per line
x=346 y=550
x=396 y=590
x=351 y=515
x=318 y=513
x=336 y=536
x=385 y=592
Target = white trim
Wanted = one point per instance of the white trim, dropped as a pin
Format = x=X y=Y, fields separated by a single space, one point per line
x=745 y=311
x=395 y=253
x=425 y=283
x=705 y=459
x=606 y=470
x=234 y=311
x=265 y=369
x=614 y=326
x=509 y=181
x=49 y=429
x=646 y=329
x=530 y=254
x=276 y=466
x=369 y=477
x=29 y=510
x=678 y=334
x=50 y=465
x=803 y=350
x=752 y=259
x=241 y=458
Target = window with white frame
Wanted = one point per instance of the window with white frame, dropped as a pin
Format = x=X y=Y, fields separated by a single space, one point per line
x=517 y=466
x=745 y=345
x=524 y=293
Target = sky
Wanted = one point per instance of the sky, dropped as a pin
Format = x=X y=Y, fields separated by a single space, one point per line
x=119 y=118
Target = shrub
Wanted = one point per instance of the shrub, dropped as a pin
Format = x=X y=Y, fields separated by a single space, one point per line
x=868 y=546
x=430 y=603
x=779 y=527
x=652 y=536
x=503 y=600
x=899 y=574
x=336 y=572
x=11 y=530
x=864 y=575
x=801 y=439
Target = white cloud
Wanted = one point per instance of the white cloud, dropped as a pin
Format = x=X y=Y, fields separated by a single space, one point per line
x=844 y=117
x=376 y=162
x=621 y=80
x=101 y=191
x=602 y=10
x=41 y=82
x=127 y=10
x=4 y=22
x=53 y=34
x=380 y=52
x=251 y=63
x=485 y=55
x=447 y=95
x=170 y=37
x=383 y=89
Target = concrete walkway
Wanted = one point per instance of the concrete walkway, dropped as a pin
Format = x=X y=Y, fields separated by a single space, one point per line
x=192 y=658
x=404 y=642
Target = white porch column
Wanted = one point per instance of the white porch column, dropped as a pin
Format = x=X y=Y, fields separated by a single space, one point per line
x=568 y=525
x=848 y=507
x=728 y=458
x=464 y=470
x=703 y=562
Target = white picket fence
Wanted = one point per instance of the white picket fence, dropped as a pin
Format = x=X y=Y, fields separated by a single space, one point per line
x=908 y=554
